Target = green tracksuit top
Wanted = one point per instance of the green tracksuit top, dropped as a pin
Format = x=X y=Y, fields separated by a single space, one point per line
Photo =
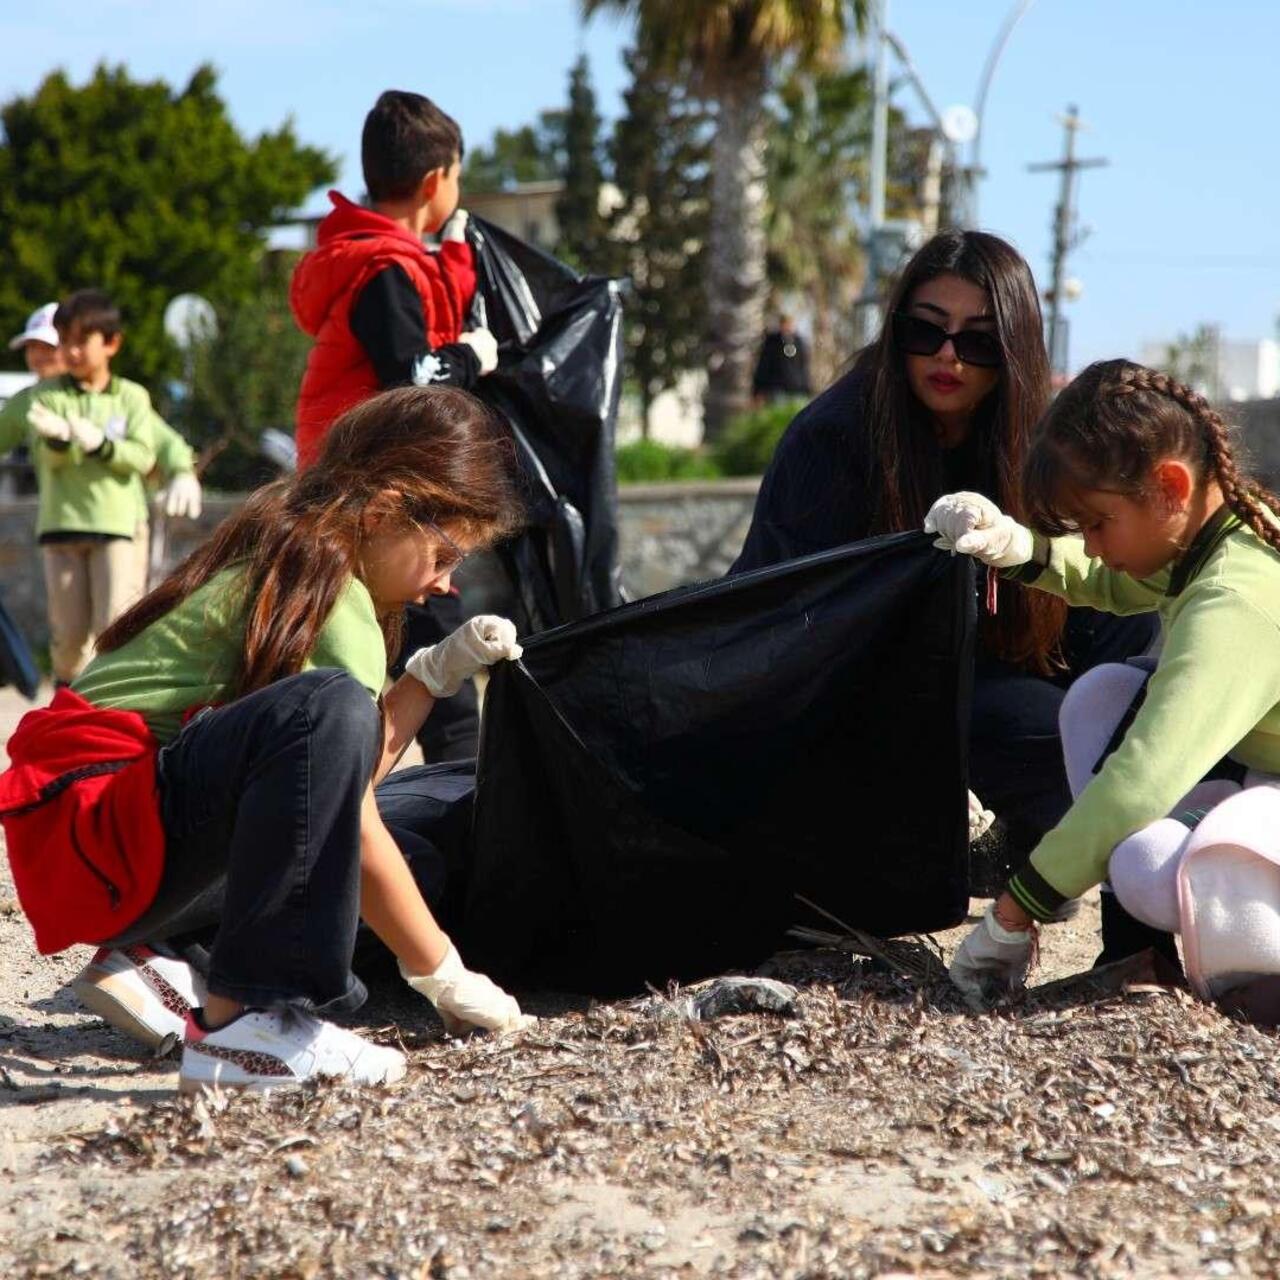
x=79 y=493
x=1215 y=692
x=173 y=456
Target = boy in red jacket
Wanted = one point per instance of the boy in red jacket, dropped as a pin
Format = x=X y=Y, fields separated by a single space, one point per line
x=383 y=310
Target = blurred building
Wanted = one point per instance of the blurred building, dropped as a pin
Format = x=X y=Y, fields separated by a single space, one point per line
x=1221 y=369
x=527 y=210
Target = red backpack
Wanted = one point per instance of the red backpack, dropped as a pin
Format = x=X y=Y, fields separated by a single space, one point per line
x=81 y=820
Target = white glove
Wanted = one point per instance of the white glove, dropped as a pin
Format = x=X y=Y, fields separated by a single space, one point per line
x=476 y=644
x=456 y=226
x=88 y=435
x=980 y=819
x=485 y=345
x=992 y=961
x=183 y=496
x=465 y=1000
x=975 y=526
x=49 y=425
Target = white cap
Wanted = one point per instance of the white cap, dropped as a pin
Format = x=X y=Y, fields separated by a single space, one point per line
x=39 y=328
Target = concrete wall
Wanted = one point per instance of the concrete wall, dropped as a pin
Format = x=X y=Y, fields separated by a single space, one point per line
x=670 y=534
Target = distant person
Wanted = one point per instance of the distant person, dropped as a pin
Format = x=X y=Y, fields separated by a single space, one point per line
x=945 y=398
x=92 y=438
x=386 y=312
x=39 y=343
x=782 y=371
x=174 y=489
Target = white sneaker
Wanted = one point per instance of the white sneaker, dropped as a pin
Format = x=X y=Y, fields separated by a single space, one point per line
x=142 y=993
x=270 y=1049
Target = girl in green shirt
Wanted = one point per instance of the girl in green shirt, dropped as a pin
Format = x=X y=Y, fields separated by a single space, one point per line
x=1138 y=505
x=257 y=668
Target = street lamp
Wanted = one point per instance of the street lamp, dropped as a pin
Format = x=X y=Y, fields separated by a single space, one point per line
x=973 y=171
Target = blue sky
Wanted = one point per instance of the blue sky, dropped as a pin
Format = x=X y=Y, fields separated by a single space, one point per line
x=1180 y=96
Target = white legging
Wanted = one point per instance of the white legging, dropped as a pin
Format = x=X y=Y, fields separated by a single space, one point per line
x=1143 y=868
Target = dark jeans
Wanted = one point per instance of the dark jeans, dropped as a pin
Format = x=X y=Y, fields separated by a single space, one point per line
x=261 y=807
x=1015 y=753
x=452 y=730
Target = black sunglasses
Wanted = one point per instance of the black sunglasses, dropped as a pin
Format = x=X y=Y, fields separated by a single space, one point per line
x=924 y=338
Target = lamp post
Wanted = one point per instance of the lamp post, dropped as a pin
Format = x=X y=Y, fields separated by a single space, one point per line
x=971 y=173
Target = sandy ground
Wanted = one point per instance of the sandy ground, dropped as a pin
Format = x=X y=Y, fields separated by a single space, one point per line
x=884 y=1131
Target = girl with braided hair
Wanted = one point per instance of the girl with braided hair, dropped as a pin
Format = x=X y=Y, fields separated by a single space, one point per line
x=1137 y=504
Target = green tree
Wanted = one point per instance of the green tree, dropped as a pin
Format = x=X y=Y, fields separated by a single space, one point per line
x=731 y=47
x=659 y=153
x=1192 y=358
x=244 y=379
x=578 y=206
x=532 y=153
x=145 y=191
x=819 y=144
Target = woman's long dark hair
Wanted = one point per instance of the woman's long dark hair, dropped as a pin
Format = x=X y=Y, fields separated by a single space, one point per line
x=411 y=455
x=903 y=444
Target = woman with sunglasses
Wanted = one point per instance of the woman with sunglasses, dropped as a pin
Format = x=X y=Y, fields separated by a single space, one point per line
x=947 y=396
x=216 y=762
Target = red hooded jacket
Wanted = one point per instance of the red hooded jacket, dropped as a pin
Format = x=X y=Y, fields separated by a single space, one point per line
x=354 y=244
x=81 y=820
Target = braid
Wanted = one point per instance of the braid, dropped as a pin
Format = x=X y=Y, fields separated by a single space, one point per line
x=1247 y=498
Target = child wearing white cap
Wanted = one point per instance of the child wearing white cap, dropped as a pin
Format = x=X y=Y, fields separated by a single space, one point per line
x=40 y=343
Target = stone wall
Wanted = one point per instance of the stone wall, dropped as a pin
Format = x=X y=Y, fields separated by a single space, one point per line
x=670 y=534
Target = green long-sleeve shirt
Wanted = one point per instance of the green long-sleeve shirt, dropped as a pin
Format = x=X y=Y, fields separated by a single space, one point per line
x=79 y=492
x=1215 y=692
x=187 y=657
x=173 y=456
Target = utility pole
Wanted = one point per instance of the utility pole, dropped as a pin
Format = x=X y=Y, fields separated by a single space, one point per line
x=1065 y=235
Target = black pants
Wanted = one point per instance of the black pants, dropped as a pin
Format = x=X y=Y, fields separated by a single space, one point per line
x=260 y=801
x=1015 y=753
x=452 y=730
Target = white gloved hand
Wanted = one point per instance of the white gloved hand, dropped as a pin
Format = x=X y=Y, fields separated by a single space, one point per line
x=466 y=1000
x=455 y=228
x=476 y=644
x=955 y=514
x=88 y=435
x=980 y=819
x=992 y=961
x=485 y=345
x=183 y=496
x=49 y=425
x=975 y=526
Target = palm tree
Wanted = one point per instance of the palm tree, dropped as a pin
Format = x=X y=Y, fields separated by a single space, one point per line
x=731 y=48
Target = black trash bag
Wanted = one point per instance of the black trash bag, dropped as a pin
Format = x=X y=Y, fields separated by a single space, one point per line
x=557 y=383
x=17 y=664
x=656 y=784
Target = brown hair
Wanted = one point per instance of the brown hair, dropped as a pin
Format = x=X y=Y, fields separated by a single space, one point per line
x=1109 y=428
x=902 y=442
x=415 y=454
x=405 y=137
x=92 y=310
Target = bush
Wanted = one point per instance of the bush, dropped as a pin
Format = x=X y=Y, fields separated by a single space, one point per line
x=749 y=440
x=647 y=461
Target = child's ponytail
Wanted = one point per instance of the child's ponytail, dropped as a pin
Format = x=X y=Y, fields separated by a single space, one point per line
x=1109 y=428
